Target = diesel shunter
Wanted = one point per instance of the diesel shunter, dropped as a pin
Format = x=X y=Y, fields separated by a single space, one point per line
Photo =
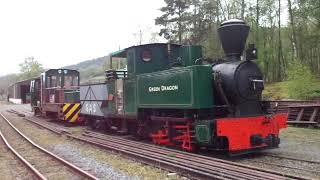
x=56 y=94
x=170 y=94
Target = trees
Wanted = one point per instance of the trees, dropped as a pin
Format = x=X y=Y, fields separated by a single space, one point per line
x=279 y=42
x=174 y=19
x=293 y=38
x=30 y=68
x=308 y=33
x=302 y=82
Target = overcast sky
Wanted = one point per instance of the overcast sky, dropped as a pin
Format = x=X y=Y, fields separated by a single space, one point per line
x=64 y=32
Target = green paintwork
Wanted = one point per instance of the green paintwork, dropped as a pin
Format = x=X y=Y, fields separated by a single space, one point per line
x=71 y=96
x=191 y=88
x=130 y=107
x=111 y=107
x=189 y=54
x=204 y=132
x=160 y=60
x=120 y=53
x=168 y=65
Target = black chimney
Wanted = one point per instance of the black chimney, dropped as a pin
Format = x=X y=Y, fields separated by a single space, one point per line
x=233 y=35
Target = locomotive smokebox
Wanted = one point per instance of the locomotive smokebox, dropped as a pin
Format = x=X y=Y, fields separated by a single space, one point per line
x=233 y=35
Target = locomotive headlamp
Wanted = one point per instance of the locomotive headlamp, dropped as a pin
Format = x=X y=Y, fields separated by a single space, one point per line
x=254 y=52
x=251 y=52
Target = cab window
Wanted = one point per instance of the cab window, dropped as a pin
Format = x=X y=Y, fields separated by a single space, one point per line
x=53 y=81
x=70 y=80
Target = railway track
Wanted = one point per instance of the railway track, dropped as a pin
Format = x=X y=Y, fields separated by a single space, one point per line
x=191 y=165
x=42 y=163
x=48 y=126
x=11 y=163
x=186 y=164
x=43 y=124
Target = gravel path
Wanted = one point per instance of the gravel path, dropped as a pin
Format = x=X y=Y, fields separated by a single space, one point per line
x=300 y=143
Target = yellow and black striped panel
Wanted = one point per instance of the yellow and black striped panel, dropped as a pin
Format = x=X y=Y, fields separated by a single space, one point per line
x=71 y=112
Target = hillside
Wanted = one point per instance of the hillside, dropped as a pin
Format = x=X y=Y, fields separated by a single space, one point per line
x=91 y=70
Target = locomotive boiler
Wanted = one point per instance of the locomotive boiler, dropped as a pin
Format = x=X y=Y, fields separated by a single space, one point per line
x=170 y=94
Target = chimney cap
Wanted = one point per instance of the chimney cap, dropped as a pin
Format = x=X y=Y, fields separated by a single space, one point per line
x=232 y=21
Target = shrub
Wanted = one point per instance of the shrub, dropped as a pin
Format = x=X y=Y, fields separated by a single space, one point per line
x=302 y=83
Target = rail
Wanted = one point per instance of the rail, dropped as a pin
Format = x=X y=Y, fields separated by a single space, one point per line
x=190 y=165
x=63 y=161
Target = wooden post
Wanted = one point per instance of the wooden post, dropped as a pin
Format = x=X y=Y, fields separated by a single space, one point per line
x=300 y=114
x=314 y=114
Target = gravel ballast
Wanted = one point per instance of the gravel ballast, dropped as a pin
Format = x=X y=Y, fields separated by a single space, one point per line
x=101 y=170
x=97 y=161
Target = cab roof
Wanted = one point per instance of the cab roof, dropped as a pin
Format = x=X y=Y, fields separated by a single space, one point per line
x=123 y=53
x=55 y=71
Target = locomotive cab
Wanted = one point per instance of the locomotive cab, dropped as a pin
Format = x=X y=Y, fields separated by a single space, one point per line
x=61 y=86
